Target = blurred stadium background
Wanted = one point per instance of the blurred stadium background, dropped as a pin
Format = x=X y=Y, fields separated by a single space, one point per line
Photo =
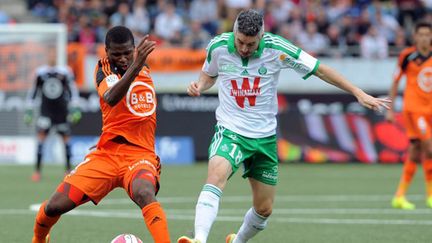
x=317 y=123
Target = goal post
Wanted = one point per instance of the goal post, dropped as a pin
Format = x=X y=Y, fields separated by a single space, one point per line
x=24 y=47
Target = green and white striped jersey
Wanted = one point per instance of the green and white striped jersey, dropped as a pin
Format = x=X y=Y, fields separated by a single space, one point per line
x=247 y=86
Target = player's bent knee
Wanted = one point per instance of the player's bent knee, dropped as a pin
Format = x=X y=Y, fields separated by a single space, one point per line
x=56 y=207
x=264 y=210
x=143 y=189
x=144 y=196
x=218 y=181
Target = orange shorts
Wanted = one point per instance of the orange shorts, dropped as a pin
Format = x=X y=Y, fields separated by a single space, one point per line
x=418 y=125
x=113 y=165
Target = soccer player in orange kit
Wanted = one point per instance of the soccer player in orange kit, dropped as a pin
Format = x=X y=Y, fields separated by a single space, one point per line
x=125 y=153
x=416 y=64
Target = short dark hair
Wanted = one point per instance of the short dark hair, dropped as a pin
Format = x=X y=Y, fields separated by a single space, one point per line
x=422 y=24
x=249 y=22
x=119 y=35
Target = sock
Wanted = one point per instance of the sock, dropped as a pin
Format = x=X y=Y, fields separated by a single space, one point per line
x=252 y=224
x=68 y=156
x=39 y=157
x=408 y=172
x=206 y=211
x=43 y=224
x=155 y=219
x=427 y=169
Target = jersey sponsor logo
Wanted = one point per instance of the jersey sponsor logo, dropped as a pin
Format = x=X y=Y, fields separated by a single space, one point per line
x=424 y=79
x=246 y=92
x=269 y=175
x=111 y=80
x=52 y=88
x=141 y=99
x=141 y=162
x=228 y=68
x=291 y=63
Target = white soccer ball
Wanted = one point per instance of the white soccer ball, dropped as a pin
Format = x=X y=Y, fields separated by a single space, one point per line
x=126 y=238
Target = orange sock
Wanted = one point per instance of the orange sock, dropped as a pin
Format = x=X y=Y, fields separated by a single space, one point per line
x=43 y=224
x=156 y=222
x=408 y=172
x=427 y=169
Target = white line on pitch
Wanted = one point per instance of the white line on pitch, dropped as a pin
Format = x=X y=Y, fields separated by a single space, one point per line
x=293 y=198
x=221 y=218
x=276 y=211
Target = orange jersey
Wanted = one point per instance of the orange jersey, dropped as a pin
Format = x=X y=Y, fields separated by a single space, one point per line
x=418 y=72
x=134 y=116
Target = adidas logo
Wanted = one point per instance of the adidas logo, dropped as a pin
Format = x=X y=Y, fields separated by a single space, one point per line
x=155 y=220
x=245 y=72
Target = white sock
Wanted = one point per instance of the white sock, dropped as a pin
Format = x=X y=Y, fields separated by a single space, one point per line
x=252 y=224
x=206 y=211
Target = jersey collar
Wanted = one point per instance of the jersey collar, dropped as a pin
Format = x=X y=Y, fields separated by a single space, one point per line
x=256 y=54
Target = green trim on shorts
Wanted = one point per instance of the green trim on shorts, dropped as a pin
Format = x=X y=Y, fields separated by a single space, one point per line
x=257 y=155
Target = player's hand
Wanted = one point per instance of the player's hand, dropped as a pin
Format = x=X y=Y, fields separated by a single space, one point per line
x=373 y=103
x=389 y=116
x=74 y=116
x=193 y=89
x=28 y=117
x=144 y=48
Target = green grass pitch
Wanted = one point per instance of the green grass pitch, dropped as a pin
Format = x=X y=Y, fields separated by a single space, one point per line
x=314 y=203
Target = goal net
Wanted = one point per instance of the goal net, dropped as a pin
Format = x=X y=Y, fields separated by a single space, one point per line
x=23 y=48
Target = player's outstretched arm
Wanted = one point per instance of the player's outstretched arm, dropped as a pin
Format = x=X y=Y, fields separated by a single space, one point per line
x=331 y=76
x=204 y=83
x=392 y=94
x=119 y=90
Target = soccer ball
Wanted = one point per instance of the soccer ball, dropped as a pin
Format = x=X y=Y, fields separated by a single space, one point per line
x=126 y=238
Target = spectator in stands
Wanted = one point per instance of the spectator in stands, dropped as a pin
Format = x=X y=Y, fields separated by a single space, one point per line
x=85 y=34
x=373 y=45
x=362 y=23
x=321 y=20
x=280 y=10
x=312 y=41
x=205 y=12
x=349 y=32
x=352 y=17
x=400 y=43
x=140 y=19
x=296 y=22
x=169 y=25
x=387 y=25
x=410 y=11
x=110 y=7
x=284 y=30
x=337 y=9
x=196 y=37
x=123 y=16
x=101 y=25
x=336 y=42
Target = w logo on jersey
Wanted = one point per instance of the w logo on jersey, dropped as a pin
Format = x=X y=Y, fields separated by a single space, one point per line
x=246 y=91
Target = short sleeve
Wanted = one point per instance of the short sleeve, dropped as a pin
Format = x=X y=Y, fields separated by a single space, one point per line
x=210 y=65
x=104 y=78
x=305 y=65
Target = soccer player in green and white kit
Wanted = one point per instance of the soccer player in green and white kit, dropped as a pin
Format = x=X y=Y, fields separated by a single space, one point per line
x=247 y=63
